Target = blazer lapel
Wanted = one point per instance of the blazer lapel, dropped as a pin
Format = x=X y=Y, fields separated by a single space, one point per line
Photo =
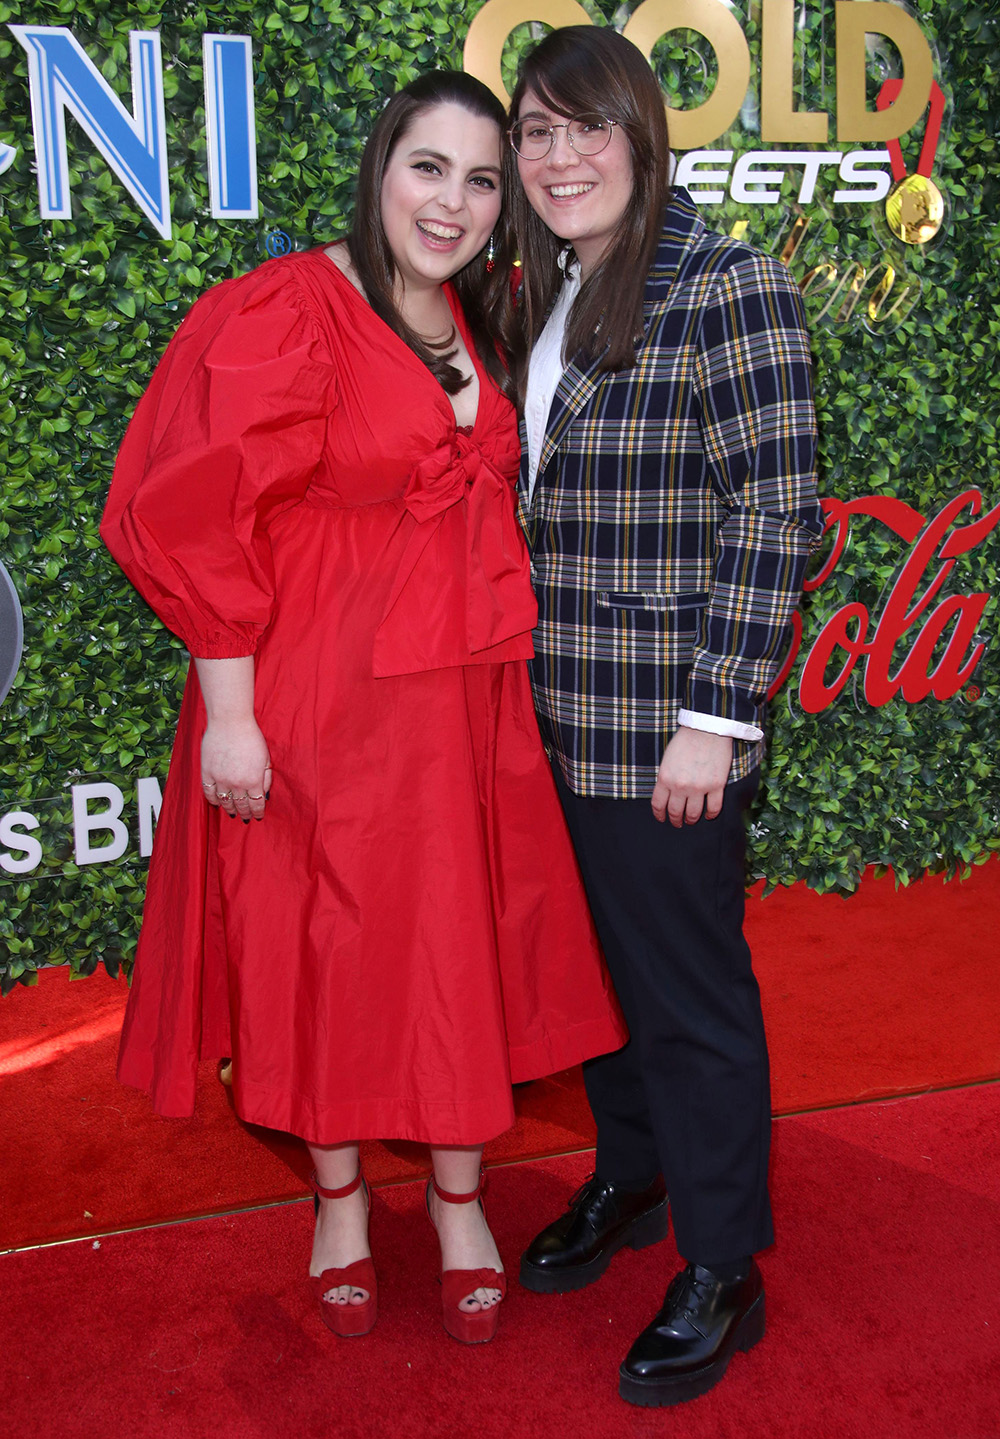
x=522 y=478
x=579 y=383
x=575 y=388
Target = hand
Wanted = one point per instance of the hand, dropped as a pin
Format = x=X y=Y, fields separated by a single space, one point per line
x=235 y=768
x=692 y=776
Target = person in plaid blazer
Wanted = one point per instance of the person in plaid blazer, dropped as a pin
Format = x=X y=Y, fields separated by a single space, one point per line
x=668 y=498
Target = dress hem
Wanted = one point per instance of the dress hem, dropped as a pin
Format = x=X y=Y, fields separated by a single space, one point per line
x=454 y=1122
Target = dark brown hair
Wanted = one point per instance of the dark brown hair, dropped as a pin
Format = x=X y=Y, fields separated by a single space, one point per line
x=484 y=295
x=586 y=70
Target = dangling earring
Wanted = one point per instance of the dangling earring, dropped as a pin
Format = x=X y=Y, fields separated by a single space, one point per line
x=491 y=255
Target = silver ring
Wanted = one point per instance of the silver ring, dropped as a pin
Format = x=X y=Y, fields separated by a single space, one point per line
x=255 y=796
x=228 y=794
x=210 y=785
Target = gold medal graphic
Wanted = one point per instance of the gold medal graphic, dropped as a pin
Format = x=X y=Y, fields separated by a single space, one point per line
x=914 y=207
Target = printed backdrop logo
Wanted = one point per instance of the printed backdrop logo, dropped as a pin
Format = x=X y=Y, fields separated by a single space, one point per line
x=866 y=167
x=715 y=22
x=277 y=243
x=11 y=633
x=62 y=77
x=915 y=209
x=755 y=178
x=941 y=631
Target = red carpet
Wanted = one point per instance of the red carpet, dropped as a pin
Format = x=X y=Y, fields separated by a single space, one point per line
x=883 y=1316
x=886 y=992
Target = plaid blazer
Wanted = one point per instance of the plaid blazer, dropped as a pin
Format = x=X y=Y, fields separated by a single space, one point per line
x=673 y=513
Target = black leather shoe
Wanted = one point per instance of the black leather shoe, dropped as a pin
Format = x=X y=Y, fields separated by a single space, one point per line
x=602 y=1218
x=686 y=1349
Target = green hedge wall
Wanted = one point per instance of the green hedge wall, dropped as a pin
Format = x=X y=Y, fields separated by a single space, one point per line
x=87 y=305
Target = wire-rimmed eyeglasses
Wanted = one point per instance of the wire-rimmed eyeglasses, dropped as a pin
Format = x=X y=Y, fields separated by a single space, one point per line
x=588 y=135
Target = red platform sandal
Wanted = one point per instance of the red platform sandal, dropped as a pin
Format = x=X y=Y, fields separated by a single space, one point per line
x=457 y=1284
x=347 y=1320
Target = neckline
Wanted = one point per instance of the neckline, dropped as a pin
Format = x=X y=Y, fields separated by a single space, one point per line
x=460 y=324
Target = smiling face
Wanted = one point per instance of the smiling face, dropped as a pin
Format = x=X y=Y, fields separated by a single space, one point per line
x=441 y=194
x=581 y=198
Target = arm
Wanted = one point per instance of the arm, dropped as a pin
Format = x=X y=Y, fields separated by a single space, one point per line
x=227 y=435
x=234 y=758
x=754 y=393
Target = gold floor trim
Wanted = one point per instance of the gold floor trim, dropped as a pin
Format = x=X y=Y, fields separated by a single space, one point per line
x=499 y=1164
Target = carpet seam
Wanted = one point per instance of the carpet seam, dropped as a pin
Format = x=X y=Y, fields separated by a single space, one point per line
x=98 y=1234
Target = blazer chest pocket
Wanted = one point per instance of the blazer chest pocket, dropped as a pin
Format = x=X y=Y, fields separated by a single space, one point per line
x=684 y=610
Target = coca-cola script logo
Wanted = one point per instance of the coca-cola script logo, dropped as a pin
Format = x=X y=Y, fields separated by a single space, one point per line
x=941 y=636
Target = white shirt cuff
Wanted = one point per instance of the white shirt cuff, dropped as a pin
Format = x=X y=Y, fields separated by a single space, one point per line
x=715 y=724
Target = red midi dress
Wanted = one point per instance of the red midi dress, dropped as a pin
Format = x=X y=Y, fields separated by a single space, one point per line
x=405 y=933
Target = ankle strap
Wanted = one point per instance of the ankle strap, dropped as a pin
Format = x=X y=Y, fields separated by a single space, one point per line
x=342 y=1193
x=450 y=1198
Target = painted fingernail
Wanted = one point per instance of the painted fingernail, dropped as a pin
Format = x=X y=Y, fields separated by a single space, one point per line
x=246 y=821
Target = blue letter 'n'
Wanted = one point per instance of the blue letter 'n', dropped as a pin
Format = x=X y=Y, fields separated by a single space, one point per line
x=63 y=77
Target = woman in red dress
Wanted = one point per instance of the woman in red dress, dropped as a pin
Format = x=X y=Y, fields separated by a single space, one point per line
x=316 y=494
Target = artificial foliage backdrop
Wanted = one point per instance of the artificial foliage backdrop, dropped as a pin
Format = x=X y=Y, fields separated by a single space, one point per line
x=908 y=408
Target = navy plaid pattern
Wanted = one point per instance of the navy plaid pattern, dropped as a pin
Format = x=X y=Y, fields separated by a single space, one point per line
x=673 y=514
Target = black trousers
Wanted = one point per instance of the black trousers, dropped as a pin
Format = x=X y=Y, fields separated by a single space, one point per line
x=689 y=1095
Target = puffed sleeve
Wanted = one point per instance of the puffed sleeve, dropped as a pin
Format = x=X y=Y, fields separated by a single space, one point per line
x=228 y=435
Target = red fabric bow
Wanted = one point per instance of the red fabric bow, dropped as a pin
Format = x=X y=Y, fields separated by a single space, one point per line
x=462 y=593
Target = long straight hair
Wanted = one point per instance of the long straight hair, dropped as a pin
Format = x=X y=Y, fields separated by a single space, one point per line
x=588 y=70
x=483 y=294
